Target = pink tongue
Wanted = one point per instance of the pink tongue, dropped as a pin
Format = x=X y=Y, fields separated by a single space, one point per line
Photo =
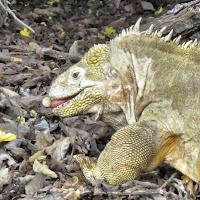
x=57 y=102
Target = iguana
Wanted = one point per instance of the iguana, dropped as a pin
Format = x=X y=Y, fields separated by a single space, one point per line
x=148 y=88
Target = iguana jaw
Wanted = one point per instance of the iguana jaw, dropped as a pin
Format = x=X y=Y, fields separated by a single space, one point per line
x=77 y=103
x=60 y=101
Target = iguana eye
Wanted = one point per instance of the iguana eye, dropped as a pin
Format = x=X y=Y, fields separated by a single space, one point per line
x=76 y=75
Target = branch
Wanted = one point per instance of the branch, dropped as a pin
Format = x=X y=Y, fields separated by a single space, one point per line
x=168 y=181
x=138 y=192
x=4 y=6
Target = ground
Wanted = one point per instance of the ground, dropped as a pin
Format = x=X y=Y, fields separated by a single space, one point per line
x=64 y=31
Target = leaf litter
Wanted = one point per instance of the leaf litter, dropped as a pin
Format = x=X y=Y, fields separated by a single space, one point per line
x=38 y=164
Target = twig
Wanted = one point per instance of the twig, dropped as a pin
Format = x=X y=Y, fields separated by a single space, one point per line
x=8 y=58
x=55 y=54
x=171 y=195
x=140 y=183
x=11 y=47
x=4 y=6
x=138 y=192
x=168 y=181
x=41 y=51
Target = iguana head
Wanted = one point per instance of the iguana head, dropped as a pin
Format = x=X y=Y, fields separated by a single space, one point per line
x=103 y=82
x=82 y=86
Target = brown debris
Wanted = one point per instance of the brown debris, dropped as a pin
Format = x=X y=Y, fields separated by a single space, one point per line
x=45 y=144
x=35 y=184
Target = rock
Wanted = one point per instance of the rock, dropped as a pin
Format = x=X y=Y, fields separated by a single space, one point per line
x=146 y=6
x=118 y=23
x=128 y=8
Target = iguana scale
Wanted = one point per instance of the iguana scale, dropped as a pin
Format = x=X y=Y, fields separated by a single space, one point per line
x=148 y=88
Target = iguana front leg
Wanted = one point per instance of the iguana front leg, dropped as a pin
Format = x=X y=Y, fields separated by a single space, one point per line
x=129 y=153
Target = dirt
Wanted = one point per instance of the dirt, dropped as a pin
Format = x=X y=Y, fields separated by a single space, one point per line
x=64 y=31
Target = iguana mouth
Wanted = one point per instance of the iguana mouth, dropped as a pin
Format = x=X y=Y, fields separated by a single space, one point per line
x=57 y=102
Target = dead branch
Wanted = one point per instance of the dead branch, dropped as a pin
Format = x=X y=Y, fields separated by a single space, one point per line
x=8 y=58
x=138 y=192
x=41 y=51
x=140 y=183
x=168 y=181
x=4 y=6
x=55 y=54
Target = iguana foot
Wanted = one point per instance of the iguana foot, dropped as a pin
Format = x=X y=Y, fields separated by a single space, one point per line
x=89 y=167
x=124 y=158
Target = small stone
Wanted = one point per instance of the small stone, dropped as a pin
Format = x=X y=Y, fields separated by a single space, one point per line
x=128 y=8
x=87 y=21
x=146 y=5
x=46 y=102
x=118 y=23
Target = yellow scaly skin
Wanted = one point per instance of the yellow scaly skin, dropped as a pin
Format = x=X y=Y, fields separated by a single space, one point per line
x=84 y=78
x=147 y=88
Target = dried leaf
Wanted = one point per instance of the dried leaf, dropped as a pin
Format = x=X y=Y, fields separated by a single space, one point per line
x=42 y=127
x=9 y=92
x=33 y=113
x=159 y=11
x=35 y=184
x=29 y=101
x=5 y=176
x=8 y=71
x=33 y=45
x=62 y=34
x=38 y=167
x=2 y=69
x=25 y=166
x=74 y=49
x=43 y=23
x=71 y=182
x=21 y=120
x=16 y=147
x=71 y=194
x=5 y=137
x=190 y=188
x=25 y=179
x=73 y=132
x=36 y=156
x=118 y=23
x=101 y=36
x=44 y=140
x=59 y=148
x=110 y=30
x=25 y=32
x=6 y=157
x=51 y=2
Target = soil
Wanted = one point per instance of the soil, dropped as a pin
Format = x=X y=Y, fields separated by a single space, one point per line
x=64 y=31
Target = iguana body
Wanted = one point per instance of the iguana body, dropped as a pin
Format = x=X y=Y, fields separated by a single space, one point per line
x=146 y=87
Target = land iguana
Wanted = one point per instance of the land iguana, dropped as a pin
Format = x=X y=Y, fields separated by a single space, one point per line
x=147 y=87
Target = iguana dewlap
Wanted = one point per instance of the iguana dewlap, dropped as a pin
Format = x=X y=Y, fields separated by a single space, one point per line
x=148 y=88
